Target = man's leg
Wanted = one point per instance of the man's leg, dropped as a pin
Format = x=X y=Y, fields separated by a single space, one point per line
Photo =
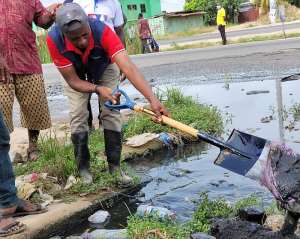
x=223 y=34
x=35 y=115
x=8 y=191
x=90 y=118
x=79 y=131
x=112 y=125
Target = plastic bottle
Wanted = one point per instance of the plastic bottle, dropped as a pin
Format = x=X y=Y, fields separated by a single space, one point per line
x=160 y=212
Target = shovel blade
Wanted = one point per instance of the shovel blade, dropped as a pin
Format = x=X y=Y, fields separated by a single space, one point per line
x=249 y=144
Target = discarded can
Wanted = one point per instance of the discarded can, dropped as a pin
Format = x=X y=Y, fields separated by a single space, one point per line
x=160 y=212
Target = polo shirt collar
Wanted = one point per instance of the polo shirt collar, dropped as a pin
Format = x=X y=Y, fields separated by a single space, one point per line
x=84 y=55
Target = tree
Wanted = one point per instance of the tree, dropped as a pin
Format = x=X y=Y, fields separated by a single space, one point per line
x=210 y=7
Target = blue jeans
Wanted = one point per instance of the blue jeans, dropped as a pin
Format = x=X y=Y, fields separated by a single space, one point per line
x=8 y=191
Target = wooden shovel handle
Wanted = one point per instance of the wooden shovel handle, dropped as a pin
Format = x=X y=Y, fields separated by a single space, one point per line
x=168 y=121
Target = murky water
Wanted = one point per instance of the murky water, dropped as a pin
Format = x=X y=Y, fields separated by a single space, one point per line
x=179 y=176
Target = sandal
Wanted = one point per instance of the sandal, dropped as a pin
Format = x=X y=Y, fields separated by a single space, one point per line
x=33 y=154
x=12 y=227
x=25 y=208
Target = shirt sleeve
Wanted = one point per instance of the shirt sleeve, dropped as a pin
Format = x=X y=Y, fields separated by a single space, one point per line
x=41 y=14
x=111 y=43
x=58 y=59
x=118 y=19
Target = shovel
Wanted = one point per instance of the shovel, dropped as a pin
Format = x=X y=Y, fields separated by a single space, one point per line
x=238 y=154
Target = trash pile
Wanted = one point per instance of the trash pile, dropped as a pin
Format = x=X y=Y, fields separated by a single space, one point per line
x=33 y=185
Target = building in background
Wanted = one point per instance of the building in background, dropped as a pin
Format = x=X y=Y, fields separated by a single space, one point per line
x=150 y=8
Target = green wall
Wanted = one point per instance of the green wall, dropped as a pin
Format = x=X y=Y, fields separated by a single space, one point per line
x=181 y=24
x=164 y=25
x=132 y=8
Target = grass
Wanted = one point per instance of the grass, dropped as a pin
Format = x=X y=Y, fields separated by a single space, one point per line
x=188 y=33
x=43 y=49
x=57 y=159
x=295 y=111
x=182 y=108
x=152 y=227
x=176 y=47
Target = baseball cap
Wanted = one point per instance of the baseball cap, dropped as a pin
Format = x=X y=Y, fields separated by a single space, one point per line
x=70 y=17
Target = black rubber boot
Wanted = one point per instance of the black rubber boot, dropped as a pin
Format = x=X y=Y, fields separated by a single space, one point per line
x=113 y=149
x=290 y=223
x=82 y=155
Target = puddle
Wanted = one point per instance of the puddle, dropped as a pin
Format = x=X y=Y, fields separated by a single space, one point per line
x=179 y=192
x=179 y=176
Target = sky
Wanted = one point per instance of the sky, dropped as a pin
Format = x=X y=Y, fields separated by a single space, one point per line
x=166 y=5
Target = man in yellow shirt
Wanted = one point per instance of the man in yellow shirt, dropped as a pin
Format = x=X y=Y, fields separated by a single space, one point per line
x=221 y=23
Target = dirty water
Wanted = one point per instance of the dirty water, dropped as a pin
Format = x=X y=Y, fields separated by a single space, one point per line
x=178 y=176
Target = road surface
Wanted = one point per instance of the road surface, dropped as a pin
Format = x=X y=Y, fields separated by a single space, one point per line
x=234 y=33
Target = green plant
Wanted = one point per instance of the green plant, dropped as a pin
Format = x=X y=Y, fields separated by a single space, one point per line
x=210 y=8
x=207 y=210
x=42 y=48
x=252 y=200
x=295 y=111
x=184 y=109
x=57 y=160
x=154 y=228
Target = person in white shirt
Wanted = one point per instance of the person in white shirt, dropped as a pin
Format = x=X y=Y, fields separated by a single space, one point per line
x=107 y=11
x=110 y=12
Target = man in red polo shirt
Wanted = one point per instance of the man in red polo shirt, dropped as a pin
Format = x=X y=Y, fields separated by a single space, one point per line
x=82 y=49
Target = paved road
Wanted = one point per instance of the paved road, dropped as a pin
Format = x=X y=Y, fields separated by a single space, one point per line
x=234 y=33
x=239 y=61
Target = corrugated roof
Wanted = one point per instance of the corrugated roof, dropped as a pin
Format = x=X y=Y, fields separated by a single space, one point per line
x=183 y=13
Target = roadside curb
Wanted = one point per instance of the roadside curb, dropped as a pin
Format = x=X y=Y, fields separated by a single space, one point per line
x=62 y=218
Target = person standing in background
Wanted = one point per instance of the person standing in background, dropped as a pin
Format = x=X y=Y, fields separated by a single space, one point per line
x=144 y=32
x=221 y=23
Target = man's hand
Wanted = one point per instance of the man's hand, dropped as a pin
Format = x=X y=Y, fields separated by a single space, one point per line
x=4 y=74
x=52 y=10
x=105 y=94
x=158 y=109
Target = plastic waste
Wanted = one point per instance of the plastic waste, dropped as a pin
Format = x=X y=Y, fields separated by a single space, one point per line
x=160 y=212
x=99 y=219
x=142 y=139
x=106 y=234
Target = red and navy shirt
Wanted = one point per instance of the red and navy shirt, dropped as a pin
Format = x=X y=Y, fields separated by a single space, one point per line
x=110 y=42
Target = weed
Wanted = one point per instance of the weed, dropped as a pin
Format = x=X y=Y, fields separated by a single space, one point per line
x=295 y=111
x=274 y=209
x=42 y=48
x=151 y=227
x=57 y=159
x=187 y=33
x=184 y=109
x=175 y=47
x=252 y=200
x=207 y=210
x=154 y=228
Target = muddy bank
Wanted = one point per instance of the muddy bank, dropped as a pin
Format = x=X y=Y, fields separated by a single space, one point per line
x=237 y=229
